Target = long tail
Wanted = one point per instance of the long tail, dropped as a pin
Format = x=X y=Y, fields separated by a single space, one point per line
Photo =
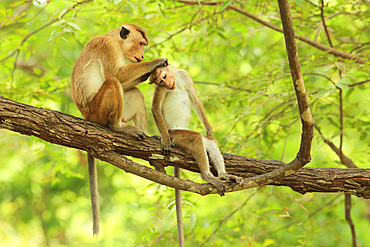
x=94 y=193
x=180 y=228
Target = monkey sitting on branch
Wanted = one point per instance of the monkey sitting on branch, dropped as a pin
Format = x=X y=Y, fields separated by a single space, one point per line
x=104 y=80
x=171 y=107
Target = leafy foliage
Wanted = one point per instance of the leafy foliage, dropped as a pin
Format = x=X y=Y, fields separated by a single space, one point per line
x=243 y=79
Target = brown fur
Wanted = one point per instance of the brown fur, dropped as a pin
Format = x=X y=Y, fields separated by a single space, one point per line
x=108 y=68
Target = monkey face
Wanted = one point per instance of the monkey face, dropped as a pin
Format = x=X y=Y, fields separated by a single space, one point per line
x=164 y=77
x=133 y=40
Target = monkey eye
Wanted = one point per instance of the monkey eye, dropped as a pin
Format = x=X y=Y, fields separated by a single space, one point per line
x=165 y=76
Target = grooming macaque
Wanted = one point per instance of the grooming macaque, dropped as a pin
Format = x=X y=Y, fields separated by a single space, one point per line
x=103 y=87
x=173 y=96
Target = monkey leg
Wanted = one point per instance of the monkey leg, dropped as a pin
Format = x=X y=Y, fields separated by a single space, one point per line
x=107 y=106
x=134 y=108
x=192 y=142
x=218 y=161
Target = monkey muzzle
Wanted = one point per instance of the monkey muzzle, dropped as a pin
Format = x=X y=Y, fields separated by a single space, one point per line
x=173 y=86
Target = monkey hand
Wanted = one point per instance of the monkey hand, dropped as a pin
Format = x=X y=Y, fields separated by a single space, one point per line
x=159 y=62
x=166 y=146
x=215 y=182
x=230 y=178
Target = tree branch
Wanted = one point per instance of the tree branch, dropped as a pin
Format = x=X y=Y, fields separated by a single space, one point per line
x=343 y=158
x=267 y=24
x=107 y=145
x=324 y=23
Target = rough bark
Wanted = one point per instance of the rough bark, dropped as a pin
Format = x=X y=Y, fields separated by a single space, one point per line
x=107 y=145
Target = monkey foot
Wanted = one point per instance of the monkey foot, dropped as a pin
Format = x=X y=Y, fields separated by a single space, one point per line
x=230 y=178
x=132 y=130
x=217 y=183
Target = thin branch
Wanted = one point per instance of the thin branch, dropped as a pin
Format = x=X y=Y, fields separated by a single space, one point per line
x=181 y=30
x=226 y=218
x=358 y=83
x=324 y=23
x=60 y=16
x=343 y=158
x=318 y=74
x=223 y=85
x=267 y=24
x=341 y=123
x=307 y=1
x=295 y=223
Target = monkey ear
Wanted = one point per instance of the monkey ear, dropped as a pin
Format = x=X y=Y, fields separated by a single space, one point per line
x=124 y=32
x=151 y=81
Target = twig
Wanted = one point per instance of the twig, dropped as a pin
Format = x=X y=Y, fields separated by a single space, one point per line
x=343 y=158
x=340 y=123
x=267 y=24
x=180 y=31
x=358 y=83
x=226 y=218
x=307 y=1
x=324 y=24
x=17 y=51
x=294 y=222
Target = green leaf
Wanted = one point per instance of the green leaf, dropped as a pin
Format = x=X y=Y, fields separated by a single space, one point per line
x=323 y=93
x=341 y=85
x=225 y=5
x=258 y=109
x=74 y=25
x=193 y=221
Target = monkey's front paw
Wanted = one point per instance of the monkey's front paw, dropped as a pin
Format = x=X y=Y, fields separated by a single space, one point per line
x=165 y=62
x=230 y=178
x=161 y=62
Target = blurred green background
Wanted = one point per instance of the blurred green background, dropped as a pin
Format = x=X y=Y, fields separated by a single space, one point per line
x=242 y=76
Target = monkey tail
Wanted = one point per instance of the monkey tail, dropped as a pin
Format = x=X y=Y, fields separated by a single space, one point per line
x=180 y=227
x=94 y=193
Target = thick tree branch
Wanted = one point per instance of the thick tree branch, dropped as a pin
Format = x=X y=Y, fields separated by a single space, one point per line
x=106 y=145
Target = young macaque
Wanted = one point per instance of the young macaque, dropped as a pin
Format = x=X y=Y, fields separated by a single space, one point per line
x=103 y=87
x=173 y=96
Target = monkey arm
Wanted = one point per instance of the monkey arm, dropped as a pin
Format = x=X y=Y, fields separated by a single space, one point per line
x=199 y=109
x=158 y=98
x=133 y=74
